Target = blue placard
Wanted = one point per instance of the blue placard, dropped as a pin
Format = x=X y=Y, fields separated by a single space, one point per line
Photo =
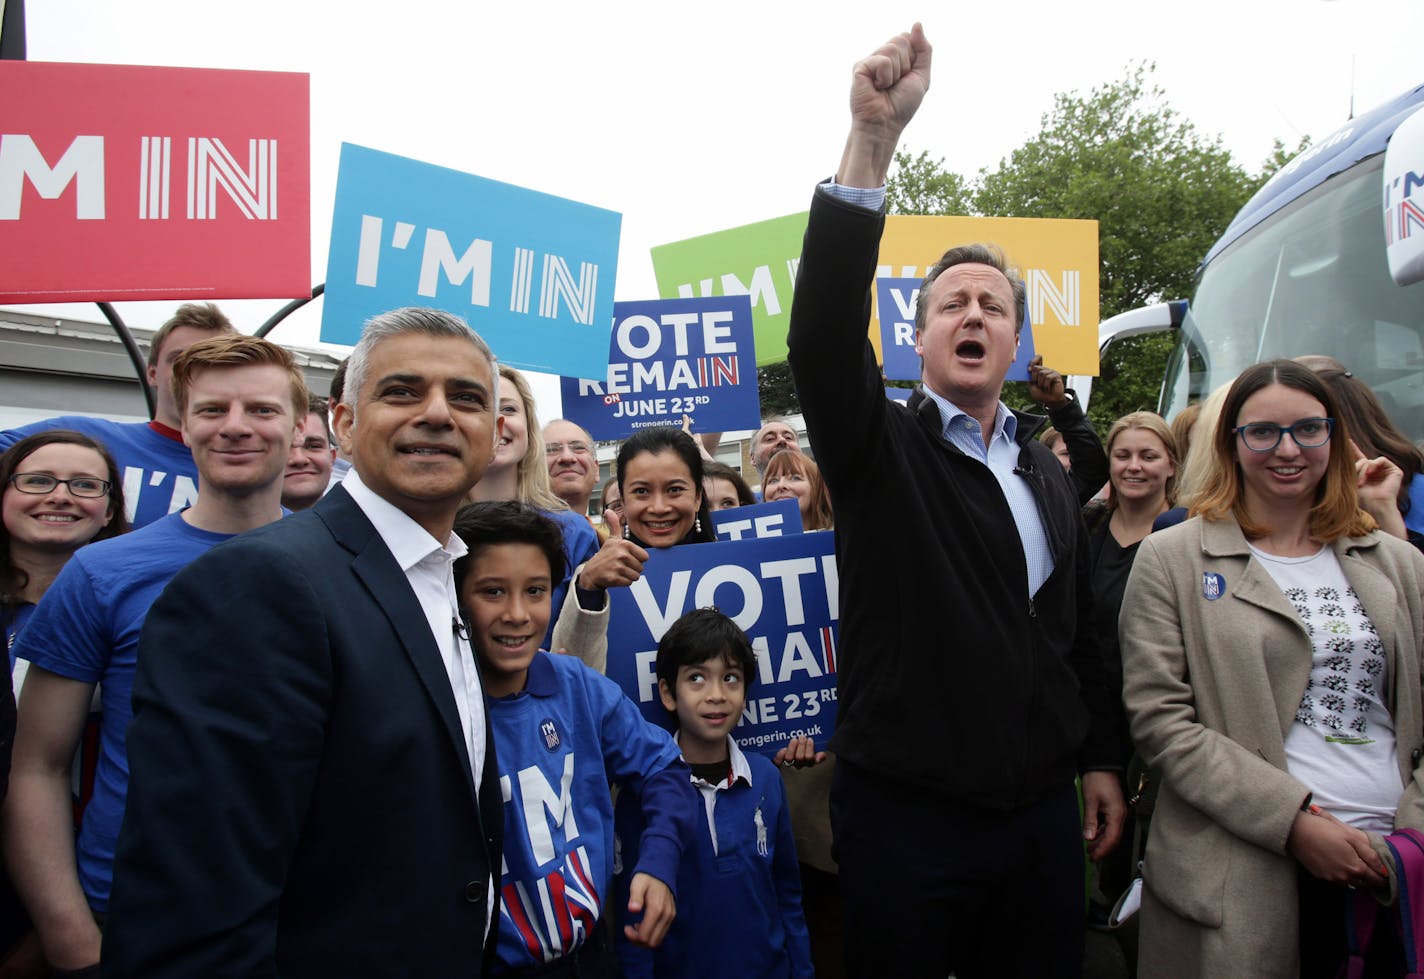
x=668 y=358
x=758 y=520
x=783 y=591
x=532 y=273
x=896 y=299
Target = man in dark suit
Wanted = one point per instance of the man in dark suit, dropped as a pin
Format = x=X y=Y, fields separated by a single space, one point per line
x=313 y=787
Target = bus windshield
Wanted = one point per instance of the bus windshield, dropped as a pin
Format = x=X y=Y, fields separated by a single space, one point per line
x=1310 y=279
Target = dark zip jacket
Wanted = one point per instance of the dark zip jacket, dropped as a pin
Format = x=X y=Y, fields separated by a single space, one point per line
x=951 y=677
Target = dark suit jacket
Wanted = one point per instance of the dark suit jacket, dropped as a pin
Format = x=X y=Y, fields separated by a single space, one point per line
x=301 y=799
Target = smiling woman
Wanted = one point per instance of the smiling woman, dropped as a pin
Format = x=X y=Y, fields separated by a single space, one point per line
x=61 y=490
x=1280 y=599
x=660 y=478
x=794 y=476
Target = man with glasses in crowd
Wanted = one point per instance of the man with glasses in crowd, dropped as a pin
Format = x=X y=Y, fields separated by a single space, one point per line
x=573 y=468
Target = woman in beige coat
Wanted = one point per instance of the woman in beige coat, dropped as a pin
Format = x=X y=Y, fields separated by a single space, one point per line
x=1272 y=678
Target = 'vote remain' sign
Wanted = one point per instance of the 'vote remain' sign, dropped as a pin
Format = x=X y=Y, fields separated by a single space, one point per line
x=668 y=358
x=782 y=591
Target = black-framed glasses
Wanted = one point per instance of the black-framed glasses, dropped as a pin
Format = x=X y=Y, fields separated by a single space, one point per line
x=88 y=487
x=1308 y=433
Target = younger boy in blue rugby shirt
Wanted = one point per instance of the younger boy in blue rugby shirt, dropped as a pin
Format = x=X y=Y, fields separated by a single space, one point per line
x=739 y=888
x=561 y=733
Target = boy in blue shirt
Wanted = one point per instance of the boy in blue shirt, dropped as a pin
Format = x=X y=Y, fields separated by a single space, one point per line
x=739 y=877
x=561 y=733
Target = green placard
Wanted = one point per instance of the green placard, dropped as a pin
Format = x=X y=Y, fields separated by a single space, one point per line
x=758 y=260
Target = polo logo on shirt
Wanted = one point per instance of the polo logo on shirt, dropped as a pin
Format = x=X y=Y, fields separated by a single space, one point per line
x=550 y=731
x=1213 y=586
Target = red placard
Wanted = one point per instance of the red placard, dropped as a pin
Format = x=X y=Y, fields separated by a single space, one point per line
x=125 y=182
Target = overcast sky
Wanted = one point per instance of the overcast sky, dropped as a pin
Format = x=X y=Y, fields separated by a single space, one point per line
x=689 y=118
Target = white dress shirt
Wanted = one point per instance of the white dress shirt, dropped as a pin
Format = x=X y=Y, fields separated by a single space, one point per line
x=429 y=567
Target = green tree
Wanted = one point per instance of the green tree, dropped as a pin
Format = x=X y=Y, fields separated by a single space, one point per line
x=921 y=185
x=778 y=394
x=1160 y=190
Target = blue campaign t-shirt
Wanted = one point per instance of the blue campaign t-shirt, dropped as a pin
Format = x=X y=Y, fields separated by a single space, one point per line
x=14 y=616
x=156 y=469
x=560 y=741
x=87 y=628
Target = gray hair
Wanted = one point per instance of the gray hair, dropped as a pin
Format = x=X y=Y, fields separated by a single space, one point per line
x=409 y=319
x=554 y=421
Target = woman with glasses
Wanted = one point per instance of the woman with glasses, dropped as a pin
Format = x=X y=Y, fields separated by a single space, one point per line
x=1272 y=676
x=61 y=491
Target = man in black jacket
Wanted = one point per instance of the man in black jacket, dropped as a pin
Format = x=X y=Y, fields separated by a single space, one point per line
x=972 y=690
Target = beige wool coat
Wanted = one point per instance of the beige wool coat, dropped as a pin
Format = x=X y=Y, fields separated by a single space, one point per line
x=1213 y=672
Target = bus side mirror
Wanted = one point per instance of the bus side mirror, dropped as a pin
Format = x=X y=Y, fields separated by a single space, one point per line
x=1157 y=318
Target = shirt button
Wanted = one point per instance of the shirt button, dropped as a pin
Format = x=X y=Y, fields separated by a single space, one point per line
x=475 y=891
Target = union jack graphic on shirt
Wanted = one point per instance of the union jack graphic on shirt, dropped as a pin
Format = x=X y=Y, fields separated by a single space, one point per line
x=557 y=913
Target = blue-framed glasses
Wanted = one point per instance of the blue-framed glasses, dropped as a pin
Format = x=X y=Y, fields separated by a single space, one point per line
x=1308 y=433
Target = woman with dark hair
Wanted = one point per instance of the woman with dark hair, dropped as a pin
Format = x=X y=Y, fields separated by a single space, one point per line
x=659 y=481
x=1272 y=677
x=1374 y=434
x=793 y=476
x=724 y=487
x=61 y=490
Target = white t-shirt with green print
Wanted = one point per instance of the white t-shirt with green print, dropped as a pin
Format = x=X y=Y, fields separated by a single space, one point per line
x=1342 y=742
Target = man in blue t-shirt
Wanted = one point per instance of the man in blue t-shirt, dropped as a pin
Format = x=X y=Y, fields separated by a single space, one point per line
x=156 y=467
x=239 y=400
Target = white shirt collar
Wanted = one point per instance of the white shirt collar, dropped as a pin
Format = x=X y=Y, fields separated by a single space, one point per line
x=408 y=541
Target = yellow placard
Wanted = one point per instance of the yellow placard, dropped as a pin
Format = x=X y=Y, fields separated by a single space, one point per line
x=1058 y=260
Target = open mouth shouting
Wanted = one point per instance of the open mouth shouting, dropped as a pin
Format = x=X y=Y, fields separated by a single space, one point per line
x=970 y=350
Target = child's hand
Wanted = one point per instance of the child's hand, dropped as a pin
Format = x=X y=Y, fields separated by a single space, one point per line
x=653 y=898
x=799 y=753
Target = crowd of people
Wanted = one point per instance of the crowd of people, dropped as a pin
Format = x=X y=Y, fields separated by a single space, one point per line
x=315 y=686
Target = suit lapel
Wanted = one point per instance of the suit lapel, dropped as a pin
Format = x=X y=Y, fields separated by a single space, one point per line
x=390 y=591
